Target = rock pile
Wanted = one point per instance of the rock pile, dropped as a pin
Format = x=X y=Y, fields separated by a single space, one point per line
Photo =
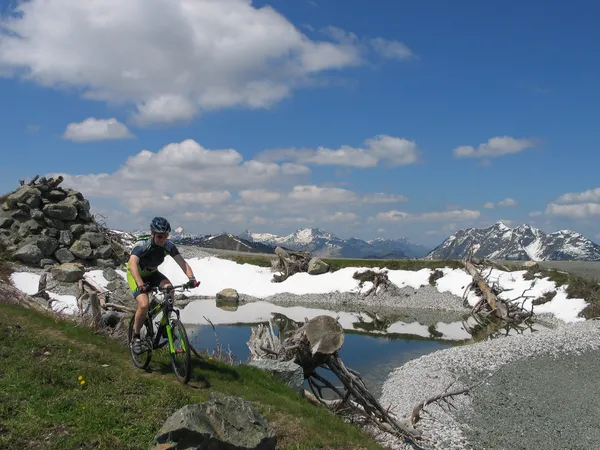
x=42 y=225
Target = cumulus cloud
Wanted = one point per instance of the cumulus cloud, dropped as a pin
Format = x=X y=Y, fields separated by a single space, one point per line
x=391 y=49
x=392 y=150
x=502 y=203
x=93 y=129
x=442 y=216
x=494 y=147
x=576 y=205
x=172 y=58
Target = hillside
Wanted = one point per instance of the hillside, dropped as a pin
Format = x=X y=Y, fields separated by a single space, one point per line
x=43 y=404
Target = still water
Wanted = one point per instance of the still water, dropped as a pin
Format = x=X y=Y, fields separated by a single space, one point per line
x=374 y=354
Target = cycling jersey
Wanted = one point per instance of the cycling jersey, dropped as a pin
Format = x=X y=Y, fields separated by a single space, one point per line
x=151 y=255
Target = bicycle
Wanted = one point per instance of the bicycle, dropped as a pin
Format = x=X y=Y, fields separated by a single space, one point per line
x=171 y=329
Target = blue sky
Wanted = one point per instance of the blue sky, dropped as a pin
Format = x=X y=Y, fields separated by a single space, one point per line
x=384 y=119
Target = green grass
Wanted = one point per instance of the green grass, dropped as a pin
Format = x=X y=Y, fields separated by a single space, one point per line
x=43 y=405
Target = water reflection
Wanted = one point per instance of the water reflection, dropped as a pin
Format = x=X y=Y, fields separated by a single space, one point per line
x=375 y=342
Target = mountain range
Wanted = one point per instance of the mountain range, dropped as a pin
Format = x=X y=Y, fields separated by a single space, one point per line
x=521 y=243
x=495 y=242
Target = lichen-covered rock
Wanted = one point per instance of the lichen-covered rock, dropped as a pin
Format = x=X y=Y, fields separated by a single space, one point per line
x=94 y=238
x=29 y=253
x=228 y=423
x=68 y=272
x=63 y=255
x=81 y=249
x=61 y=210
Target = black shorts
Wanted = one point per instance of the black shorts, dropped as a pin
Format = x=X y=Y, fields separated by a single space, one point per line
x=154 y=280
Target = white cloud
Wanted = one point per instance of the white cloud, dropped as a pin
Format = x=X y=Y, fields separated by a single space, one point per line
x=576 y=211
x=339 y=217
x=454 y=215
x=502 y=203
x=315 y=194
x=394 y=151
x=171 y=58
x=260 y=196
x=93 y=129
x=496 y=146
x=591 y=195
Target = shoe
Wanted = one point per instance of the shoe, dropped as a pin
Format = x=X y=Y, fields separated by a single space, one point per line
x=136 y=346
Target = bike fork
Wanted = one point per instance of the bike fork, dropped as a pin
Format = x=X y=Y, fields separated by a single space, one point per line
x=169 y=329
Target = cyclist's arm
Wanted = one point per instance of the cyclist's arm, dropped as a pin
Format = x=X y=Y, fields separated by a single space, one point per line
x=184 y=265
x=134 y=268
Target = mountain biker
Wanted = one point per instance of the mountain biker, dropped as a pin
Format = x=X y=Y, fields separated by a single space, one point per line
x=142 y=271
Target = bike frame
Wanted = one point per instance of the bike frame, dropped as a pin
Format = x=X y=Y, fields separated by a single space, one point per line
x=167 y=307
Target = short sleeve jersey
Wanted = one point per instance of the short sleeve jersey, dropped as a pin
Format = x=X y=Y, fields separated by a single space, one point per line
x=151 y=255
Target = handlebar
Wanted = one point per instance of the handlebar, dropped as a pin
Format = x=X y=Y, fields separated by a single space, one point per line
x=170 y=288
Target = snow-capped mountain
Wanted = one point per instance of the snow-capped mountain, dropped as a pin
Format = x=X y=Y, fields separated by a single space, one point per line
x=500 y=242
x=325 y=244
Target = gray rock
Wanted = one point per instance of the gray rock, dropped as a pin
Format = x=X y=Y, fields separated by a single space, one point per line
x=33 y=201
x=20 y=215
x=110 y=274
x=81 y=249
x=62 y=210
x=37 y=214
x=47 y=262
x=227 y=296
x=29 y=253
x=52 y=232
x=317 y=267
x=68 y=272
x=106 y=263
x=104 y=252
x=95 y=239
x=287 y=371
x=228 y=423
x=66 y=238
x=21 y=195
x=91 y=227
x=64 y=255
x=77 y=229
x=47 y=244
x=55 y=223
x=6 y=222
x=56 y=195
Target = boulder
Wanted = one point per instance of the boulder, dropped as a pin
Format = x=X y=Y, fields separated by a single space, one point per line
x=62 y=210
x=81 y=249
x=68 y=272
x=29 y=253
x=64 y=256
x=287 y=371
x=226 y=423
x=94 y=238
x=21 y=195
x=317 y=267
x=227 y=298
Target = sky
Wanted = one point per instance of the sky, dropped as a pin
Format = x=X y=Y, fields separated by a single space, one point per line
x=216 y=274
x=386 y=119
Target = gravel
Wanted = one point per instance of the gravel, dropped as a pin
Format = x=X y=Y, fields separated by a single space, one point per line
x=531 y=367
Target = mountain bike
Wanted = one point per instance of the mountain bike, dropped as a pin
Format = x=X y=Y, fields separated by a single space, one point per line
x=170 y=331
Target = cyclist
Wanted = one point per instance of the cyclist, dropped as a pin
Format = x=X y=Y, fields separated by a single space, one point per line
x=146 y=255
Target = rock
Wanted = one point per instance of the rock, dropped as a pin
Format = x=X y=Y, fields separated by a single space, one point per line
x=110 y=274
x=317 y=267
x=530 y=265
x=64 y=256
x=61 y=210
x=37 y=214
x=47 y=244
x=227 y=297
x=21 y=195
x=106 y=263
x=29 y=253
x=228 y=423
x=6 y=222
x=68 y=272
x=287 y=371
x=94 y=238
x=66 y=238
x=77 y=229
x=56 y=195
x=47 y=262
x=104 y=252
x=81 y=249
x=20 y=215
x=55 y=223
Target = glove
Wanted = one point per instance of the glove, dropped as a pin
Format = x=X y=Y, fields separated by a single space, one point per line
x=145 y=288
x=192 y=283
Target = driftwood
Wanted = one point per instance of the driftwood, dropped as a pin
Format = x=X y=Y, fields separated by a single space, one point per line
x=289 y=263
x=315 y=345
x=379 y=279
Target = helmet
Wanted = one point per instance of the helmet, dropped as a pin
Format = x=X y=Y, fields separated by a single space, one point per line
x=160 y=225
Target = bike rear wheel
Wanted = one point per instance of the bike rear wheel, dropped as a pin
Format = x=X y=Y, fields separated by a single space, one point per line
x=143 y=359
x=181 y=344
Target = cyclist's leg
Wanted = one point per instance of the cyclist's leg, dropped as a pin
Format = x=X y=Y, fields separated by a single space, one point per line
x=141 y=312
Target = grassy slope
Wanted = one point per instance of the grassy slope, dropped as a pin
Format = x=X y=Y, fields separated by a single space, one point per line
x=43 y=405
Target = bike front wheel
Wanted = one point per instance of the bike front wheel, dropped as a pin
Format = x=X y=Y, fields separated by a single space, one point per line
x=141 y=360
x=180 y=352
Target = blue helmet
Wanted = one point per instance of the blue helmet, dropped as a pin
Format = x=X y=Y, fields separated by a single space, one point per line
x=160 y=225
